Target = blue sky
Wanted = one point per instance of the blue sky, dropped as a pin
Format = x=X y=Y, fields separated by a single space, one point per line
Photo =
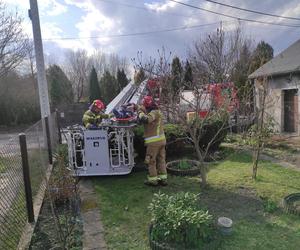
x=102 y=18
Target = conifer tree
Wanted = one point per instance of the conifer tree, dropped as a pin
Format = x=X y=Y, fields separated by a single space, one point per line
x=95 y=92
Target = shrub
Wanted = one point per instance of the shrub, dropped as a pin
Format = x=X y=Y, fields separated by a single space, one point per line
x=174 y=136
x=209 y=131
x=62 y=185
x=178 y=221
x=173 y=132
x=269 y=205
x=138 y=141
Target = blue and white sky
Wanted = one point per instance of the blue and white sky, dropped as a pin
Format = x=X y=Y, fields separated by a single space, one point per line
x=103 y=19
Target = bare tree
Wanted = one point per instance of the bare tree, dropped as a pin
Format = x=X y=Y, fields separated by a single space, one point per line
x=154 y=67
x=79 y=64
x=108 y=62
x=31 y=57
x=263 y=129
x=99 y=62
x=116 y=62
x=214 y=57
x=77 y=68
x=13 y=42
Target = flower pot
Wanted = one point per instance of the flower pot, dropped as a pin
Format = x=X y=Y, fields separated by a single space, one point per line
x=289 y=203
x=194 y=170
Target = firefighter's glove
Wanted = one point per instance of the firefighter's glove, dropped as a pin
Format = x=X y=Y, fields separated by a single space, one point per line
x=135 y=107
x=143 y=119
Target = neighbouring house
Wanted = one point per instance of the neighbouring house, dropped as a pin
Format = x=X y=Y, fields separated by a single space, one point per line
x=281 y=76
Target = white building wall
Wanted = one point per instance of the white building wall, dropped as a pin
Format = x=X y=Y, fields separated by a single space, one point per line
x=275 y=97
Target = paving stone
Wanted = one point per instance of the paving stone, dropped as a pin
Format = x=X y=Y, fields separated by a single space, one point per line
x=93 y=231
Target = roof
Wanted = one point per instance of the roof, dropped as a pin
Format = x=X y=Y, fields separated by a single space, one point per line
x=286 y=62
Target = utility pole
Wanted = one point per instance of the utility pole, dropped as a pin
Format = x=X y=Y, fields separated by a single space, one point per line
x=39 y=55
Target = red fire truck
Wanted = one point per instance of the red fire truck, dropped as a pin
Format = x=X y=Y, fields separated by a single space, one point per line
x=213 y=96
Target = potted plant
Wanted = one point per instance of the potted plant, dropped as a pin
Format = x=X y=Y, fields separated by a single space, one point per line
x=184 y=167
x=178 y=222
x=291 y=203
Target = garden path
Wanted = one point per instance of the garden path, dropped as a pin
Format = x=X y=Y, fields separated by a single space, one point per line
x=93 y=231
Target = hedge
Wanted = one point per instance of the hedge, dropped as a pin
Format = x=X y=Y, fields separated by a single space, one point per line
x=175 y=135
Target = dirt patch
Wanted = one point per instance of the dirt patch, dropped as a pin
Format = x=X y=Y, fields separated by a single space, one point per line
x=288 y=140
x=237 y=205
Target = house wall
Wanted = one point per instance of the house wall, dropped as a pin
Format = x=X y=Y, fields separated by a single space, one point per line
x=275 y=97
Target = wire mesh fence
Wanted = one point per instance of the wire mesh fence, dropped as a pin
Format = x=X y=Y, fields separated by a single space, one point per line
x=12 y=200
x=13 y=213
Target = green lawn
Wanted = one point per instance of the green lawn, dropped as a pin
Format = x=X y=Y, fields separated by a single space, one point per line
x=2 y=165
x=231 y=192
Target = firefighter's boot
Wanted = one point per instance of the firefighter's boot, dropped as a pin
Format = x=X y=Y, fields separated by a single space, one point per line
x=162 y=179
x=163 y=182
x=151 y=181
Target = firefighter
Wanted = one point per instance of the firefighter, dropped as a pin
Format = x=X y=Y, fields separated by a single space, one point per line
x=94 y=115
x=155 y=141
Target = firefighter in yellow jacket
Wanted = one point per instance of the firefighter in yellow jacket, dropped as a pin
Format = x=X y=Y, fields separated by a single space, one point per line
x=94 y=115
x=155 y=141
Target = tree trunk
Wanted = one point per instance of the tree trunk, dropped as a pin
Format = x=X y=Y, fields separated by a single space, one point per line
x=255 y=162
x=203 y=170
x=260 y=131
x=203 y=173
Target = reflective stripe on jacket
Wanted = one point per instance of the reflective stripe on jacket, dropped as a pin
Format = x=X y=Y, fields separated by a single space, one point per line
x=90 y=118
x=153 y=129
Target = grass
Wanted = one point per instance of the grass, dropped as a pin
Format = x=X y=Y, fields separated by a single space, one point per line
x=2 y=166
x=282 y=149
x=7 y=163
x=231 y=192
x=38 y=164
x=12 y=227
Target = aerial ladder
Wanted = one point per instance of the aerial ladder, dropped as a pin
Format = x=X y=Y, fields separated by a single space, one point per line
x=107 y=150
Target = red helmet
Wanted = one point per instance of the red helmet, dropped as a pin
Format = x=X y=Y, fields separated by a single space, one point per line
x=98 y=104
x=148 y=101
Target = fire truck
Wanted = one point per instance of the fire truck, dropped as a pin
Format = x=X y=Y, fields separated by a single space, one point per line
x=108 y=150
x=212 y=96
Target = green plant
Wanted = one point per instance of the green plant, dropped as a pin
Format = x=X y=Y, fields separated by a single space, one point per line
x=178 y=220
x=269 y=205
x=174 y=137
x=184 y=165
x=258 y=135
x=138 y=141
x=212 y=132
x=63 y=200
x=62 y=185
x=230 y=187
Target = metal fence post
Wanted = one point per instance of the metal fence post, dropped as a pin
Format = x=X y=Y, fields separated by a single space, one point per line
x=26 y=177
x=58 y=126
x=48 y=135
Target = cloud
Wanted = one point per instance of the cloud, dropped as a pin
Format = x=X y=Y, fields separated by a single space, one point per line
x=55 y=8
x=103 y=18
x=46 y=7
x=50 y=30
x=161 y=6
